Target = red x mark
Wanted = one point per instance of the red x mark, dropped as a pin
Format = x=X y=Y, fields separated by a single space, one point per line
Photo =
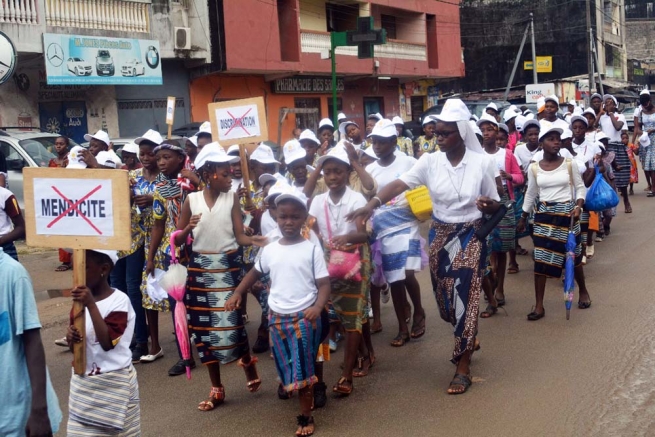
x=238 y=122
x=74 y=206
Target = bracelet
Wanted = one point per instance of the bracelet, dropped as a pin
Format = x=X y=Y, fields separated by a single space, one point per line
x=378 y=199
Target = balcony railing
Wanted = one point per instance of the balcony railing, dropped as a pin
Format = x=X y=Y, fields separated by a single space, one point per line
x=18 y=11
x=317 y=42
x=118 y=15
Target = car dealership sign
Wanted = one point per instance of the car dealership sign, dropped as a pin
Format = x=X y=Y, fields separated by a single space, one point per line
x=89 y=60
x=7 y=58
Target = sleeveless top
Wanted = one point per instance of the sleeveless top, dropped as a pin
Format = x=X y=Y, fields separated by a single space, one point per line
x=214 y=233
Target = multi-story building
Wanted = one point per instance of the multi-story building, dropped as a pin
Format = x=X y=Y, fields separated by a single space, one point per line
x=85 y=65
x=277 y=49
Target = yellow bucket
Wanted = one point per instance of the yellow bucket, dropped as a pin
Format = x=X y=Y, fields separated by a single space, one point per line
x=420 y=202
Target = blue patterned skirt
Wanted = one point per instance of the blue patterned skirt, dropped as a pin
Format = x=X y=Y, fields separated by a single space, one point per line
x=551 y=230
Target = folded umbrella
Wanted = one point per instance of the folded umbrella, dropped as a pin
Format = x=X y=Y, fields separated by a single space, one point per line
x=569 y=270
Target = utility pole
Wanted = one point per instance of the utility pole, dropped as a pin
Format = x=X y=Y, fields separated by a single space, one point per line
x=590 y=58
x=534 y=52
x=516 y=62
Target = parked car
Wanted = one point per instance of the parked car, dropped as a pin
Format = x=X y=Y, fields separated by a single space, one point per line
x=25 y=149
x=629 y=114
x=134 y=68
x=79 y=67
x=188 y=130
x=104 y=63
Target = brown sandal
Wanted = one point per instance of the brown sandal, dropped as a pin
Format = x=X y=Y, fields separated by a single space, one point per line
x=216 y=398
x=362 y=369
x=343 y=386
x=254 y=383
x=418 y=328
x=400 y=340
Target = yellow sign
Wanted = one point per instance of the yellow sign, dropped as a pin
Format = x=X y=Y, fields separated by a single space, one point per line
x=544 y=64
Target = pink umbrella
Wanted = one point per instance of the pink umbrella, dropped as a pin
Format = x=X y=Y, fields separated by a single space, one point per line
x=174 y=282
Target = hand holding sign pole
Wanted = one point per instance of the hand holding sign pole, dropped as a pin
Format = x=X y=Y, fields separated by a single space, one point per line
x=77 y=209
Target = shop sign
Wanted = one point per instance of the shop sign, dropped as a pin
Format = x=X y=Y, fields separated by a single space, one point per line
x=7 y=58
x=533 y=92
x=306 y=85
x=544 y=64
x=89 y=60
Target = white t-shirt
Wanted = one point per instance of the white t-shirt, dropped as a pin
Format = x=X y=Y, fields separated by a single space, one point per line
x=8 y=208
x=235 y=184
x=585 y=153
x=294 y=270
x=119 y=316
x=473 y=177
x=539 y=155
x=608 y=129
x=267 y=223
x=385 y=175
x=499 y=160
x=349 y=202
x=524 y=156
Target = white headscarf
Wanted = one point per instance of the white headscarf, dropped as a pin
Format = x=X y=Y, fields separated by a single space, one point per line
x=455 y=111
x=468 y=136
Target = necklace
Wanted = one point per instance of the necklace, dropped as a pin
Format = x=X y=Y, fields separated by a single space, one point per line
x=459 y=192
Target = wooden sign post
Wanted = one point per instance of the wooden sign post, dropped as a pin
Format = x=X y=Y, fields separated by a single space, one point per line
x=239 y=122
x=77 y=209
x=170 y=115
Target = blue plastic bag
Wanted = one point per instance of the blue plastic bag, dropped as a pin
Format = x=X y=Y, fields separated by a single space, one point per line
x=600 y=196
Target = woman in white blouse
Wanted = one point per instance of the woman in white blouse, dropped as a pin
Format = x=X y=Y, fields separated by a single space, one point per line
x=558 y=185
x=462 y=186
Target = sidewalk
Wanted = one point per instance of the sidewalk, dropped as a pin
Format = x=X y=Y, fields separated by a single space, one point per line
x=41 y=264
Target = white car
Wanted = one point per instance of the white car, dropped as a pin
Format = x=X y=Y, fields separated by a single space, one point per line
x=133 y=67
x=79 y=67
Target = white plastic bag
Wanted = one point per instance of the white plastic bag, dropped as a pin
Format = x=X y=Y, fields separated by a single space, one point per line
x=153 y=287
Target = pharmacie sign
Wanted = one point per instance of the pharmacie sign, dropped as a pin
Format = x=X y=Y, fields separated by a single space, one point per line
x=306 y=85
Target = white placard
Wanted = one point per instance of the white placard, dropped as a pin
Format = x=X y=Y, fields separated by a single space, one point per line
x=238 y=122
x=533 y=92
x=170 y=110
x=80 y=207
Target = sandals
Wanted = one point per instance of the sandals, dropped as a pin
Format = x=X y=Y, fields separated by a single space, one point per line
x=501 y=302
x=418 y=329
x=216 y=398
x=460 y=384
x=628 y=210
x=522 y=251
x=63 y=267
x=513 y=269
x=488 y=312
x=261 y=345
x=400 y=340
x=584 y=305
x=305 y=422
x=590 y=252
x=533 y=316
x=362 y=370
x=251 y=368
x=376 y=330
x=343 y=386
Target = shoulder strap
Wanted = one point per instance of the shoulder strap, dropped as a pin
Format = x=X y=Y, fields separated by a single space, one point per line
x=533 y=166
x=327 y=218
x=569 y=167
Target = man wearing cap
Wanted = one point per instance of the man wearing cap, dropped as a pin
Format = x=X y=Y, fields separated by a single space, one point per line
x=492 y=109
x=549 y=114
x=98 y=142
x=404 y=144
x=427 y=143
x=204 y=135
x=130 y=154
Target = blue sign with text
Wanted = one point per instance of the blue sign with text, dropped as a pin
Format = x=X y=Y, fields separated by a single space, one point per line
x=91 y=60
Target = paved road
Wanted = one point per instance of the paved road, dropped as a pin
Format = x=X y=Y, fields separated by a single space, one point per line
x=591 y=375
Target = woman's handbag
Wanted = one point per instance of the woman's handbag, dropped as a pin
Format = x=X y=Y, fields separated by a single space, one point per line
x=420 y=202
x=600 y=196
x=342 y=264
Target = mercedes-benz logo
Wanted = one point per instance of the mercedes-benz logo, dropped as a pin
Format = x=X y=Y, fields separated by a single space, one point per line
x=55 y=54
x=7 y=58
x=152 y=57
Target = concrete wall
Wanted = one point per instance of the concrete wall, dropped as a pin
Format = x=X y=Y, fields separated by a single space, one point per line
x=639 y=40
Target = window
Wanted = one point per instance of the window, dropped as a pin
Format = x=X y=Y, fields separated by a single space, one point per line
x=431 y=40
x=310 y=119
x=373 y=105
x=341 y=17
x=287 y=21
x=389 y=24
x=339 y=107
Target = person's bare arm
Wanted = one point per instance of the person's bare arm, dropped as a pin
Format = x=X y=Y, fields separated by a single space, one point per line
x=17 y=233
x=38 y=423
x=313 y=178
x=618 y=124
x=364 y=177
x=157 y=233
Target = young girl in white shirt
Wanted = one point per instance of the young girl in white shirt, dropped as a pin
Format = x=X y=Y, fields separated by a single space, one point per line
x=300 y=287
x=350 y=290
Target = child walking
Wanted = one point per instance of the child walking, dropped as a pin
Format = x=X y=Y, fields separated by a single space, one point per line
x=109 y=371
x=213 y=216
x=295 y=305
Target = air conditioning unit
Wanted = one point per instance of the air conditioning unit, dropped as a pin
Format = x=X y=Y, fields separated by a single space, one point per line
x=182 y=38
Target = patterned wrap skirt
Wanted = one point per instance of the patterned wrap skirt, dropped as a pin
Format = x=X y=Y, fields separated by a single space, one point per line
x=584 y=226
x=622 y=177
x=349 y=298
x=519 y=195
x=551 y=230
x=220 y=335
x=295 y=343
x=503 y=236
x=457 y=263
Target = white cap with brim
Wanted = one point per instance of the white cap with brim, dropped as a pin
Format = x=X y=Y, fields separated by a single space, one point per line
x=397 y=120
x=338 y=152
x=193 y=140
x=476 y=129
x=293 y=151
x=370 y=152
x=609 y=96
x=130 y=148
x=493 y=106
x=573 y=103
x=530 y=123
x=105 y=158
x=595 y=95
x=486 y=118
x=520 y=120
x=100 y=136
x=204 y=129
x=566 y=134
x=341 y=116
x=508 y=115
x=266 y=178
x=376 y=116
x=579 y=118
x=589 y=111
x=545 y=132
x=344 y=125
x=152 y=136
x=307 y=134
x=454 y=110
x=213 y=152
x=75 y=159
x=264 y=155
x=290 y=193
x=645 y=92
x=503 y=127
x=429 y=119
x=112 y=254
x=234 y=149
x=552 y=98
x=601 y=136
x=326 y=122
x=644 y=139
x=383 y=128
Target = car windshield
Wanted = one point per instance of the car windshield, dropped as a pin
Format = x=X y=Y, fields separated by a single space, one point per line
x=77 y=59
x=41 y=149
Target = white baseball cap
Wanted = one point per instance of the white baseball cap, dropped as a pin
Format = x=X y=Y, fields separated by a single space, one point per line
x=263 y=154
x=286 y=191
x=213 y=152
x=529 y=123
x=589 y=111
x=130 y=148
x=235 y=149
x=644 y=140
x=486 y=118
x=370 y=152
x=573 y=103
x=476 y=129
x=325 y=122
x=454 y=110
x=383 y=128
x=344 y=125
x=293 y=151
x=193 y=140
x=101 y=135
x=541 y=102
x=509 y=114
x=338 y=152
x=545 y=132
x=493 y=106
x=397 y=120
x=566 y=134
x=308 y=134
x=520 y=120
x=150 y=135
x=645 y=91
x=429 y=119
x=579 y=118
x=377 y=115
x=503 y=127
x=105 y=158
x=552 y=98
x=341 y=116
x=601 y=136
x=205 y=128
x=75 y=159
x=513 y=108
x=265 y=178
x=112 y=254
